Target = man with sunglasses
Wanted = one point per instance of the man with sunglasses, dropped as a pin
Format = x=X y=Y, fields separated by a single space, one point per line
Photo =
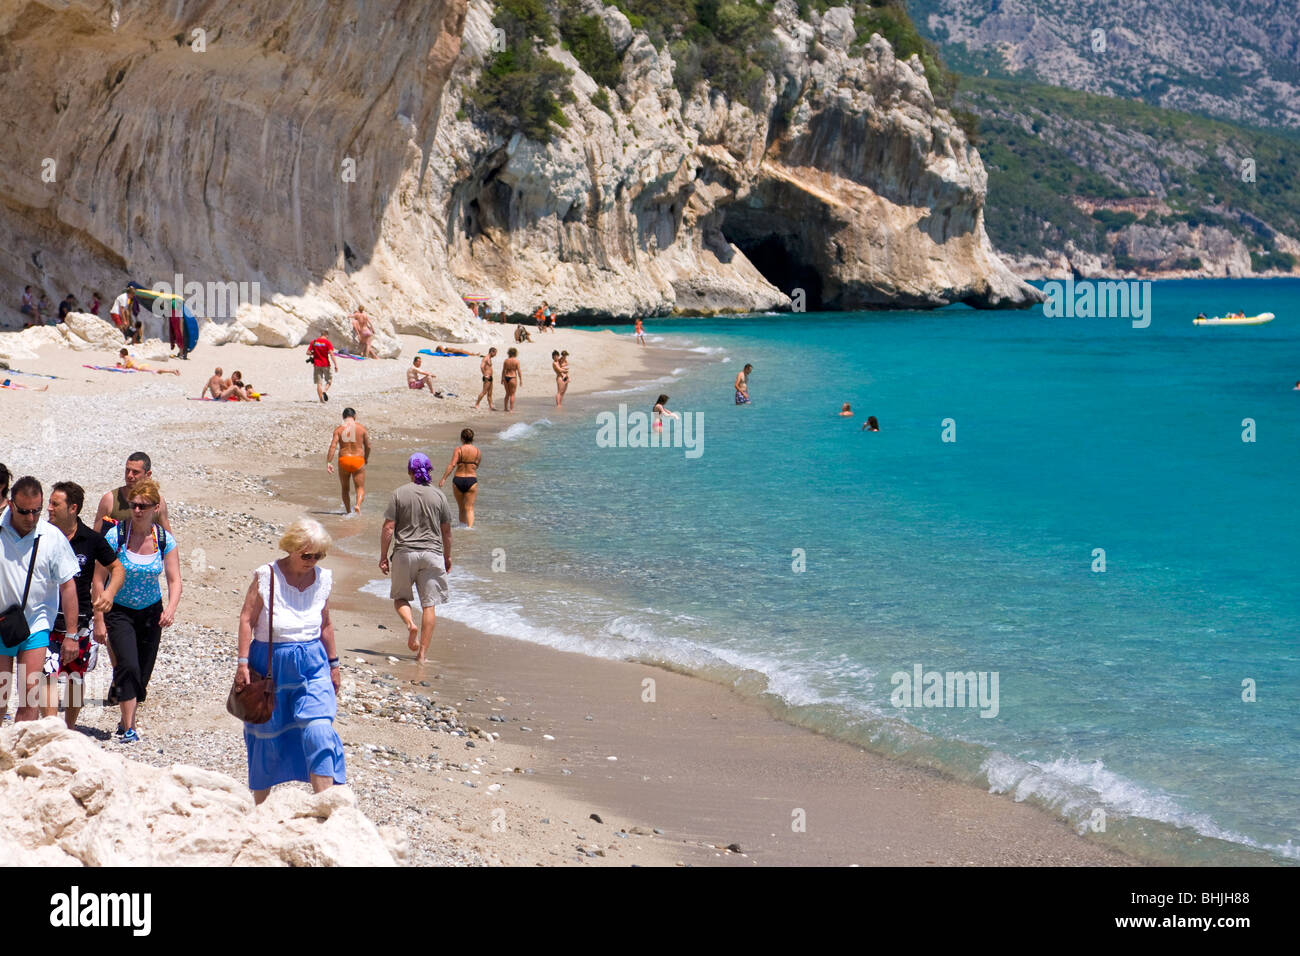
x=28 y=543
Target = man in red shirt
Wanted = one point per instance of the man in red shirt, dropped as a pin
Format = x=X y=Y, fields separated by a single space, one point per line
x=321 y=351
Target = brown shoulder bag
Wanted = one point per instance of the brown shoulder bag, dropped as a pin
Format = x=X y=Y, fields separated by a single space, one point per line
x=255 y=701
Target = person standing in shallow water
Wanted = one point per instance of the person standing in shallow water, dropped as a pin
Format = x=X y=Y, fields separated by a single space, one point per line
x=299 y=742
x=353 y=444
x=742 y=385
x=417 y=526
x=465 y=459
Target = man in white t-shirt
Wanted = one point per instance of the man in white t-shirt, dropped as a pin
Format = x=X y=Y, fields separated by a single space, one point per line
x=121 y=314
x=54 y=571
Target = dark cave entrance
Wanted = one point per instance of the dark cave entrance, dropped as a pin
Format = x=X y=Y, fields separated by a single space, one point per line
x=772 y=256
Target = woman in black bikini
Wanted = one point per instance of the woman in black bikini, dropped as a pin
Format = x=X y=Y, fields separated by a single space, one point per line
x=465 y=460
x=512 y=377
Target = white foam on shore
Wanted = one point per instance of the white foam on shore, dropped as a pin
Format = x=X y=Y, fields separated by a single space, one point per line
x=522 y=429
x=621 y=637
x=1067 y=786
x=1075 y=788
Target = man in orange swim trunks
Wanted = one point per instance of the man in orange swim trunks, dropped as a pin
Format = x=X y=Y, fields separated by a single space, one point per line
x=352 y=442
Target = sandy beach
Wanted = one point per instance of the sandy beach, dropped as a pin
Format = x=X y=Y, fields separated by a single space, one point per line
x=497 y=751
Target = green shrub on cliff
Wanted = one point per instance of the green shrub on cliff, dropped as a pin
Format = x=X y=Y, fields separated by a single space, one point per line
x=890 y=19
x=521 y=90
x=726 y=42
x=1265 y=261
x=588 y=40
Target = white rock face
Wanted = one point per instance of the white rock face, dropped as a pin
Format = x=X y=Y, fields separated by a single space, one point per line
x=64 y=801
x=317 y=155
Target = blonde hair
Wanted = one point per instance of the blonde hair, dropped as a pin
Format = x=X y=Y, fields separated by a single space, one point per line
x=303 y=534
x=146 y=489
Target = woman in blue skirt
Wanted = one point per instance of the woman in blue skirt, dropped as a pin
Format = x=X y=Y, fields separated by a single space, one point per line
x=299 y=741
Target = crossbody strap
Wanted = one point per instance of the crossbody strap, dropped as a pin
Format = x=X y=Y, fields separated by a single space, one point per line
x=31 y=566
x=270 y=627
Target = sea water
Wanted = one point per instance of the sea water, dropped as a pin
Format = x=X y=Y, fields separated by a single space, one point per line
x=1097 y=520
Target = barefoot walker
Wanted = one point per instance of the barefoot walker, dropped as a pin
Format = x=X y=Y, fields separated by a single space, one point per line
x=417 y=524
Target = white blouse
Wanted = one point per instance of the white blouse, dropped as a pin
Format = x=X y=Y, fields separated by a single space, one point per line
x=297 y=613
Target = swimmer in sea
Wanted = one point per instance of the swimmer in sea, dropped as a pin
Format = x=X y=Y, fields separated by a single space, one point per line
x=846 y=411
x=485 y=369
x=660 y=410
x=465 y=460
x=742 y=385
x=872 y=425
x=353 y=444
x=639 y=332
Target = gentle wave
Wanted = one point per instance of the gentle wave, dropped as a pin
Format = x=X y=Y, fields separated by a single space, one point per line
x=1071 y=788
x=642 y=386
x=1075 y=788
x=522 y=429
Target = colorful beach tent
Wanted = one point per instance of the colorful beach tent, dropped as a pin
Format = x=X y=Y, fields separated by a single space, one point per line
x=147 y=298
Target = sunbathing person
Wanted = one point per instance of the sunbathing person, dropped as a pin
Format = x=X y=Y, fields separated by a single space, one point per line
x=124 y=360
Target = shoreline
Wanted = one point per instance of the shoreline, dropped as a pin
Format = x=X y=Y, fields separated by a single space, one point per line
x=680 y=766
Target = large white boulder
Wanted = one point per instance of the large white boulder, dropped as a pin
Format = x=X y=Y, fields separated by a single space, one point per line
x=66 y=801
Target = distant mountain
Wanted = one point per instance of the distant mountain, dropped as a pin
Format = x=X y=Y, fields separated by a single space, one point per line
x=1229 y=59
x=1094 y=184
x=1164 y=143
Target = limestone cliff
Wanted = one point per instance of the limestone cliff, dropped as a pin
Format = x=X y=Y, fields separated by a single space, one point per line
x=318 y=151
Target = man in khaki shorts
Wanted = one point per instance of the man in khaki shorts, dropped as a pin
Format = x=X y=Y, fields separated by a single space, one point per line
x=417 y=524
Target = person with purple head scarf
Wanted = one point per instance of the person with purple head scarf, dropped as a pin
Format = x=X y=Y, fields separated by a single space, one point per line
x=417 y=528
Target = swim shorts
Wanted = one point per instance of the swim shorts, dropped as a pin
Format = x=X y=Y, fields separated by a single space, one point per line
x=86 y=650
x=741 y=398
x=350 y=464
x=422 y=570
x=37 y=639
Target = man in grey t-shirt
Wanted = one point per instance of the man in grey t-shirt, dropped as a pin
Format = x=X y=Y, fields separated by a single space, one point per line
x=417 y=524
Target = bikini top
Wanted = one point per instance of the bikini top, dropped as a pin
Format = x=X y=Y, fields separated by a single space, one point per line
x=475 y=462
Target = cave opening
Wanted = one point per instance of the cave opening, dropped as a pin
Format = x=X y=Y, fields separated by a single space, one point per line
x=780 y=265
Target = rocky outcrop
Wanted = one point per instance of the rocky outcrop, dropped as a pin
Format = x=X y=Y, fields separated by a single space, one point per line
x=65 y=801
x=320 y=154
x=849 y=190
x=280 y=146
x=80 y=332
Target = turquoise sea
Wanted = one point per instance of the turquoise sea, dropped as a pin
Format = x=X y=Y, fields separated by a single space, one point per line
x=807 y=562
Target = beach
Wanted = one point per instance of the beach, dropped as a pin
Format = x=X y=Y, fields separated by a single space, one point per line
x=498 y=751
